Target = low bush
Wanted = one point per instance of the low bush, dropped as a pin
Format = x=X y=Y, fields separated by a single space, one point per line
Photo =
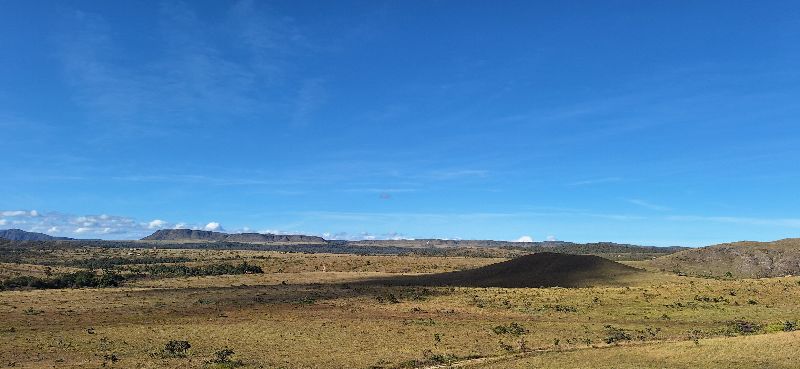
x=166 y=271
x=616 y=335
x=745 y=327
x=79 y=279
x=175 y=349
x=110 y=262
x=222 y=360
x=512 y=329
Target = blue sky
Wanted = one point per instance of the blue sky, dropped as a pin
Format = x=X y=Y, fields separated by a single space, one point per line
x=656 y=123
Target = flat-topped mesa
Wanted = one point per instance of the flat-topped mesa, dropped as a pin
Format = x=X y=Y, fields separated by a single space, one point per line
x=198 y=235
x=20 y=235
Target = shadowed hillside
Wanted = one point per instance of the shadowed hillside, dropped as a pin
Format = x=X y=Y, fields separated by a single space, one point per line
x=744 y=259
x=536 y=270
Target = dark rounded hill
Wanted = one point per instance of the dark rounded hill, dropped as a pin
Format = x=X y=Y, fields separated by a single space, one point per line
x=544 y=269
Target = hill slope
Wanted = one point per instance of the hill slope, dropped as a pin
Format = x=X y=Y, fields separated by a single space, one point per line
x=609 y=250
x=744 y=259
x=196 y=235
x=536 y=270
x=20 y=235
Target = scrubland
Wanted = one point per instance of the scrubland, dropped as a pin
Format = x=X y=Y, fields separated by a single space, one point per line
x=322 y=311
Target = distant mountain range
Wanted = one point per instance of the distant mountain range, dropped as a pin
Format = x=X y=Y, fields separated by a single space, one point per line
x=196 y=235
x=197 y=239
x=20 y=235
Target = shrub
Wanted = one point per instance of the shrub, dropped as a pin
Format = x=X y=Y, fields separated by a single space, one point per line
x=176 y=349
x=32 y=311
x=745 y=327
x=166 y=271
x=512 y=329
x=222 y=359
x=389 y=298
x=110 y=262
x=79 y=279
x=784 y=326
x=615 y=335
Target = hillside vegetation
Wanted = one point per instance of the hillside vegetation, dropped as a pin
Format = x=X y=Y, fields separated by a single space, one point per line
x=745 y=259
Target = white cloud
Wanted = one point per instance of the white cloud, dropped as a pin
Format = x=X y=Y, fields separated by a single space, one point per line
x=552 y=238
x=277 y=231
x=14 y=213
x=71 y=225
x=156 y=224
x=181 y=226
x=213 y=226
x=3 y=222
x=524 y=239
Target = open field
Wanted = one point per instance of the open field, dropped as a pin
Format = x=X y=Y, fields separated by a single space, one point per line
x=323 y=311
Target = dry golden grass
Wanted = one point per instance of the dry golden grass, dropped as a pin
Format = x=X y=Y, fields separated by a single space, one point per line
x=772 y=351
x=9 y=270
x=305 y=318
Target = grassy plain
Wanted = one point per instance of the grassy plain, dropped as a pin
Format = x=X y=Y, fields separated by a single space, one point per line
x=313 y=311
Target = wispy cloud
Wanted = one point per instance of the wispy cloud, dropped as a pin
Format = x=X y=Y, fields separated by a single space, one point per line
x=770 y=222
x=454 y=217
x=310 y=98
x=201 y=179
x=450 y=174
x=380 y=190
x=647 y=205
x=595 y=181
x=188 y=80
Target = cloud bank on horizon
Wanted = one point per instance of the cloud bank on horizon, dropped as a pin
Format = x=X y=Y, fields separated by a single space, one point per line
x=115 y=227
x=639 y=122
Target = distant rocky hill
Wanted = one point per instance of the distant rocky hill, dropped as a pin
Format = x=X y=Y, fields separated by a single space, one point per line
x=20 y=235
x=610 y=250
x=545 y=269
x=197 y=235
x=744 y=259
